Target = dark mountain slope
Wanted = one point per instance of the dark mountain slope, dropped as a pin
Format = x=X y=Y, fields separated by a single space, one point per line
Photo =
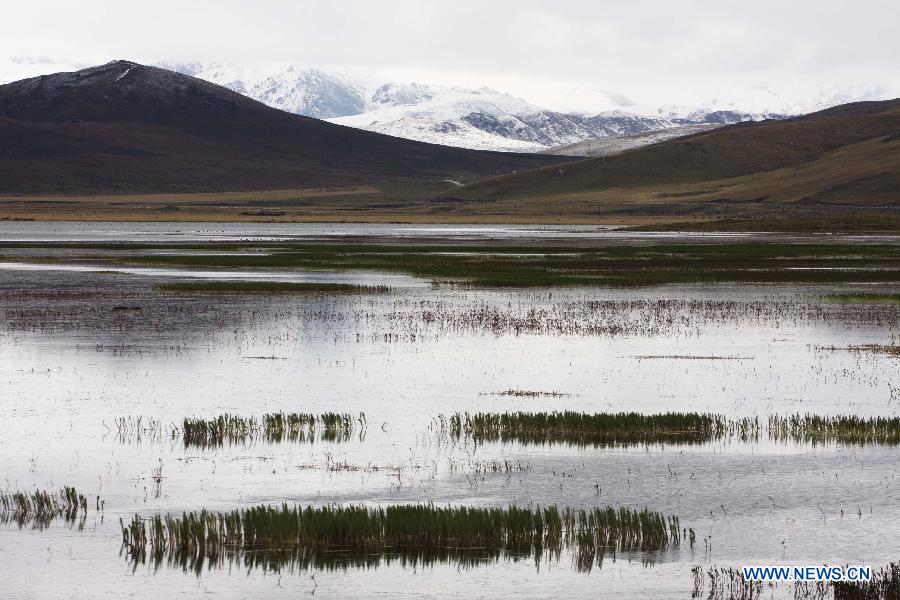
x=125 y=127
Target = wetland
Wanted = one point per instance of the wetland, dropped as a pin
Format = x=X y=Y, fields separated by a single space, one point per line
x=355 y=411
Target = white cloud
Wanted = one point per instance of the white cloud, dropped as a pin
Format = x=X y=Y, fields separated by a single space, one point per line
x=672 y=52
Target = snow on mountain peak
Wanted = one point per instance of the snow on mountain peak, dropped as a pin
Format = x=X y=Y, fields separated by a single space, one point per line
x=478 y=118
x=481 y=118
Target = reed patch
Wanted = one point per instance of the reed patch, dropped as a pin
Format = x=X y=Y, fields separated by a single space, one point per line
x=290 y=537
x=850 y=429
x=599 y=429
x=272 y=427
x=39 y=509
x=229 y=429
x=623 y=429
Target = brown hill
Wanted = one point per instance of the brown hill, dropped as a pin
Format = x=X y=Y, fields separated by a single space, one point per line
x=126 y=127
x=840 y=161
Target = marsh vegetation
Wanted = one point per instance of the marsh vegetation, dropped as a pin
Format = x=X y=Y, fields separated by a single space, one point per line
x=276 y=537
x=698 y=398
x=39 y=508
x=509 y=265
x=272 y=427
x=601 y=429
x=612 y=429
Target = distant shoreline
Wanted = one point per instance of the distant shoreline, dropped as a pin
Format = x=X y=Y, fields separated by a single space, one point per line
x=365 y=205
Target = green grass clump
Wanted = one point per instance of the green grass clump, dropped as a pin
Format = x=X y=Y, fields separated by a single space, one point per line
x=273 y=427
x=299 y=427
x=601 y=429
x=533 y=265
x=275 y=537
x=268 y=287
x=40 y=508
x=864 y=298
x=847 y=429
x=613 y=429
x=218 y=430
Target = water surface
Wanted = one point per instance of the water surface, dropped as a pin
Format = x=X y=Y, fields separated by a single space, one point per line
x=72 y=361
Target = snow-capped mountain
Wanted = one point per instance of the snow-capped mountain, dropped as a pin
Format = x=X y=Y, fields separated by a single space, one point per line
x=482 y=118
x=310 y=92
x=471 y=118
x=490 y=120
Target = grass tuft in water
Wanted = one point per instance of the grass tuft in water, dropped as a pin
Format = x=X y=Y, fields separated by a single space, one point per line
x=864 y=298
x=278 y=537
x=273 y=427
x=847 y=429
x=613 y=429
x=616 y=265
x=40 y=508
x=600 y=429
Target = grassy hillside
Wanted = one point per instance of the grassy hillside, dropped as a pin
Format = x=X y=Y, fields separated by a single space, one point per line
x=843 y=161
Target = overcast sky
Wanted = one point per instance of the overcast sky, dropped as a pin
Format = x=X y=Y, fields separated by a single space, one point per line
x=654 y=52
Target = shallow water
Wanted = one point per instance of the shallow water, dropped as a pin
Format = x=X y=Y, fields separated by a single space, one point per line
x=275 y=275
x=87 y=231
x=71 y=363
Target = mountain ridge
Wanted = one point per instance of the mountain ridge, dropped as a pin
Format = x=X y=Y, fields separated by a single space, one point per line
x=839 y=161
x=129 y=127
x=475 y=118
x=453 y=114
